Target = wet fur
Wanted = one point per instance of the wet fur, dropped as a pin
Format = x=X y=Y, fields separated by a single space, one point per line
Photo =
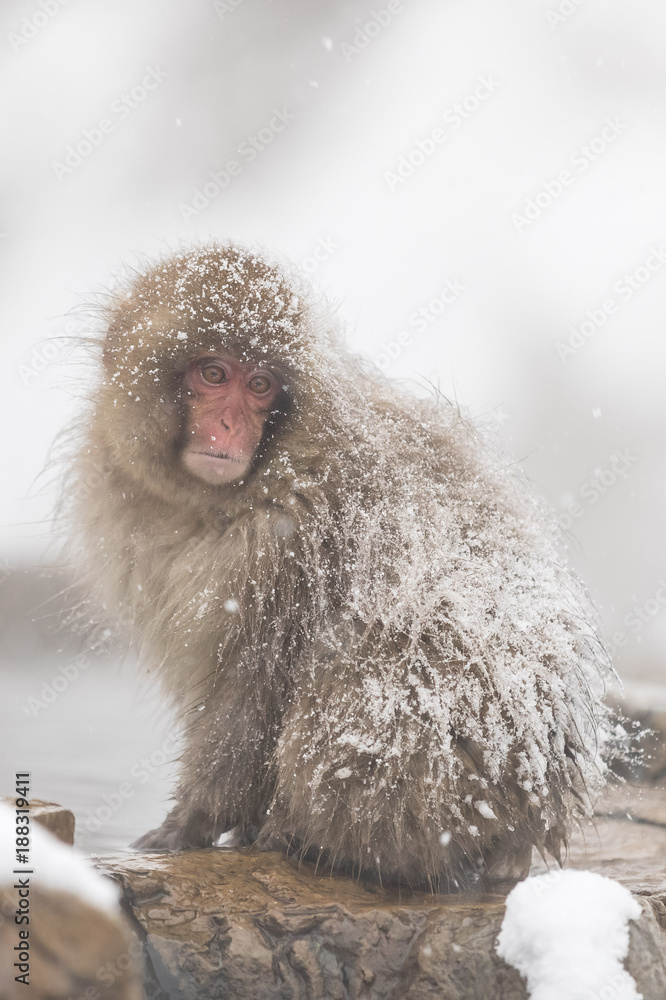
x=379 y=658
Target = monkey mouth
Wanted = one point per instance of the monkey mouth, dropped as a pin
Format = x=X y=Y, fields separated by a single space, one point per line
x=215 y=466
x=219 y=454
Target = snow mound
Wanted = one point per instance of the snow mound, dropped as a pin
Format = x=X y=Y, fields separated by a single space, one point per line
x=567 y=934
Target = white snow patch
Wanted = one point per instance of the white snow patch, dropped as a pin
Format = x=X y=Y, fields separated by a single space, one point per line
x=55 y=866
x=567 y=934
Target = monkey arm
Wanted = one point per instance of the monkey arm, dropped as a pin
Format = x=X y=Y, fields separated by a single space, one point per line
x=229 y=688
x=224 y=780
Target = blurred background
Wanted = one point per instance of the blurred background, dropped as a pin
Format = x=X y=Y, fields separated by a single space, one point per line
x=479 y=187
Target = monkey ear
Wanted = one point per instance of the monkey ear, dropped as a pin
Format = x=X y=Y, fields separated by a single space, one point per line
x=282 y=404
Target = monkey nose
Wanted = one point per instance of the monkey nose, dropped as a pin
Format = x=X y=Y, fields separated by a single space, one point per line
x=232 y=423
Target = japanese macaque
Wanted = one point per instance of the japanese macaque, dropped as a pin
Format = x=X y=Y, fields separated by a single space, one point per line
x=380 y=661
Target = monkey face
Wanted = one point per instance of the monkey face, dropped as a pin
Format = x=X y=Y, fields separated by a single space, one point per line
x=228 y=404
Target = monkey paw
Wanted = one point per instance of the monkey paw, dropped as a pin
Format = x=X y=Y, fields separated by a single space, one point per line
x=173 y=838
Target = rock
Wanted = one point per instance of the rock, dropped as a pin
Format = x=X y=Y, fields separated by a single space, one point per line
x=256 y=926
x=73 y=948
x=627 y=840
x=58 y=820
x=62 y=932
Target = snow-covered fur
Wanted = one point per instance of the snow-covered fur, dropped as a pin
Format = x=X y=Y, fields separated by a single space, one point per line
x=379 y=656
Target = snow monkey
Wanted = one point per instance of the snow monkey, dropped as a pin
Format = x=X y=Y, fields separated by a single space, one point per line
x=380 y=660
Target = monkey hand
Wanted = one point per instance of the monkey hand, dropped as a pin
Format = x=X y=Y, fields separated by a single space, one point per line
x=180 y=831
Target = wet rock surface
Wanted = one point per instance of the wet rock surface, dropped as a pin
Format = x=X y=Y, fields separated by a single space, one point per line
x=256 y=926
x=54 y=818
x=252 y=925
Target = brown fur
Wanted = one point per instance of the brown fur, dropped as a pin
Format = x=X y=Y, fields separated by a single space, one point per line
x=379 y=659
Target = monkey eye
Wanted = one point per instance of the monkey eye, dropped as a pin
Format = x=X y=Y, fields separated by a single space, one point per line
x=213 y=373
x=259 y=384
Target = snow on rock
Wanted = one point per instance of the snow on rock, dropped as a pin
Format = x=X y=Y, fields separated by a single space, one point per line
x=55 y=866
x=567 y=933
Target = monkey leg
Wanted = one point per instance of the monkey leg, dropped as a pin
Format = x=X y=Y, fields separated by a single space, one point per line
x=341 y=804
x=369 y=786
x=343 y=811
x=225 y=780
x=357 y=815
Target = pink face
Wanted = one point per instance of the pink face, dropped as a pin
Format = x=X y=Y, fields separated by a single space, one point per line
x=228 y=405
